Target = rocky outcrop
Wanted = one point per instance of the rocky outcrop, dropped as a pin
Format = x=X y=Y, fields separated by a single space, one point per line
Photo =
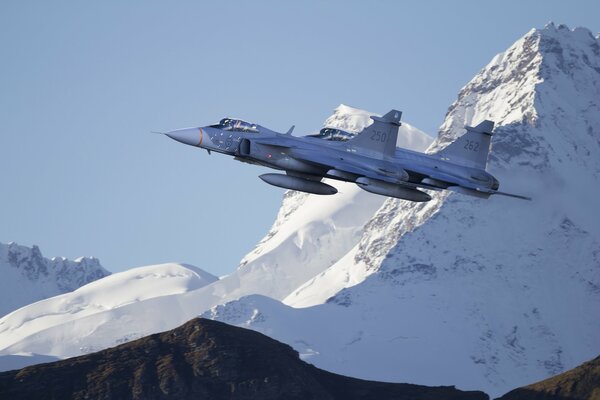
x=581 y=383
x=28 y=276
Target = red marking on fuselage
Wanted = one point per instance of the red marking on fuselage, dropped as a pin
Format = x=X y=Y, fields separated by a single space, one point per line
x=201 y=136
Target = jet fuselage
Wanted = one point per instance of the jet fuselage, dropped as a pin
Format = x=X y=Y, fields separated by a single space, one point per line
x=371 y=159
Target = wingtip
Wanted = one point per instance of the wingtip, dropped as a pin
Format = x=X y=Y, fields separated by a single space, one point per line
x=516 y=196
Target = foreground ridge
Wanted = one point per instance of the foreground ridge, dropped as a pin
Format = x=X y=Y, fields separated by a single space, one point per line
x=581 y=383
x=206 y=359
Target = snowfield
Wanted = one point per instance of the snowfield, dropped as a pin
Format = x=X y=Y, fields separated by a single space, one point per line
x=94 y=310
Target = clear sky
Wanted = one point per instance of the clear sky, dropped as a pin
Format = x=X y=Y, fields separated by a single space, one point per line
x=83 y=83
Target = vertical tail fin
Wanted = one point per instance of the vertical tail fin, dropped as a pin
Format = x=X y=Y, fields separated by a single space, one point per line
x=378 y=139
x=472 y=148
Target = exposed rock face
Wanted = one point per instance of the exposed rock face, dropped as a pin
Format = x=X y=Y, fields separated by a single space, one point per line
x=27 y=276
x=581 y=383
x=202 y=359
x=68 y=275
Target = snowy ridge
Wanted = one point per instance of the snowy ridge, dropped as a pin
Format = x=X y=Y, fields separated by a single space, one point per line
x=27 y=276
x=100 y=302
x=481 y=294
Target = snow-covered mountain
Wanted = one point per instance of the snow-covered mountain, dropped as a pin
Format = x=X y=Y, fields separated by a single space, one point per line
x=309 y=235
x=27 y=276
x=97 y=310
x=487 y=294
x=482 y=294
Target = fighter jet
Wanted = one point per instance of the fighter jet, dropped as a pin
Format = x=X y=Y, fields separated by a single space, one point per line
x=370 y=158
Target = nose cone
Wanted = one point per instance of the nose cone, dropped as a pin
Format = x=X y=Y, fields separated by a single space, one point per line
x=191 y=136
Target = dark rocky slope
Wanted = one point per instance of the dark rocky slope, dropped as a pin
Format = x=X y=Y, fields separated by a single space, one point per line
x=581 y=383
x=202 y=359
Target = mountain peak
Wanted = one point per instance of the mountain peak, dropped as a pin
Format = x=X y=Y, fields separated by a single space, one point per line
x=570 y=48
x=551 y=29
x=29 y=276
x=551 y=73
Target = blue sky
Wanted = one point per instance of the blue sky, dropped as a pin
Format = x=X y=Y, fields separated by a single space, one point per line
x=83 y=83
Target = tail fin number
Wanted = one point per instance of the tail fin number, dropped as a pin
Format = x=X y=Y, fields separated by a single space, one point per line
x=472 y=148
x=471 y=145
x=379 y=136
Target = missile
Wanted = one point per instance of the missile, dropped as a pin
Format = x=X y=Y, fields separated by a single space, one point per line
x=435 y=182
x=392 y=190
x=296 y=183
x=469 y=192
x=342 y=175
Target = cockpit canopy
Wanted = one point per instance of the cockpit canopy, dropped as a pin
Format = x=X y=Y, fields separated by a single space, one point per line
x=332 y=134
x=237 y=125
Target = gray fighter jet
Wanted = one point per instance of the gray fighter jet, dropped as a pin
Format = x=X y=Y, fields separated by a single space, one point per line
x=370 y=158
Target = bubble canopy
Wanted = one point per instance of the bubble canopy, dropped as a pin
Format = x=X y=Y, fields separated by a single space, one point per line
x=332 y=134
x=230 y=124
